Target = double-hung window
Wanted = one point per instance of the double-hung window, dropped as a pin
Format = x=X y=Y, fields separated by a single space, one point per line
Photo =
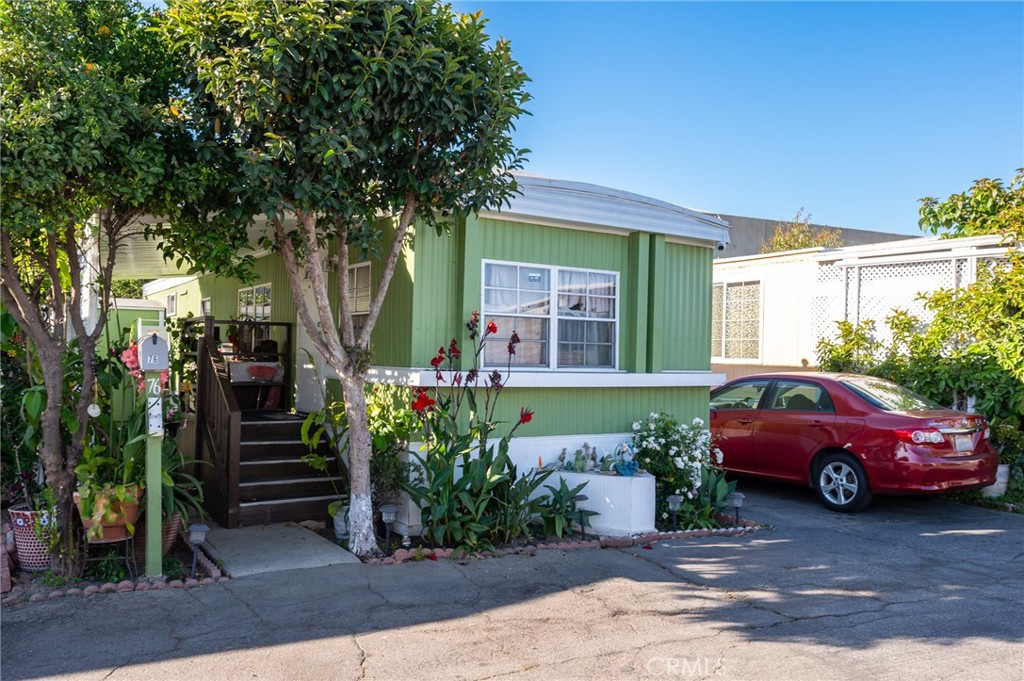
x=254 y=305
x=566 y=318
x=736 y=320
x=359 y=295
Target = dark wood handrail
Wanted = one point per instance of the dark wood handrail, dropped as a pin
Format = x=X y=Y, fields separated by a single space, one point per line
x=220 y=428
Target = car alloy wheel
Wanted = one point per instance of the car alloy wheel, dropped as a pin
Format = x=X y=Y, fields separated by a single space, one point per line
x=842 y=484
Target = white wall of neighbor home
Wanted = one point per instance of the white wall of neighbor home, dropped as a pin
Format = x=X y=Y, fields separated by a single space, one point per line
x=786 y=329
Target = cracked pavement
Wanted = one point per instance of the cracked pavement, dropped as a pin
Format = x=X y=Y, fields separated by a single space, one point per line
x=910 y=589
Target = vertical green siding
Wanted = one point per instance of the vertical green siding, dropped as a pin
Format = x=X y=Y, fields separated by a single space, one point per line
x=391 y=334
x=563 y=411
x=436 y=308
x=635 y=313
x=687 y=308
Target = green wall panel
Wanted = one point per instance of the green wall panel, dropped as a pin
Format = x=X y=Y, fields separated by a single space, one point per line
x=686 y=326
x=436 y=311
x=563 y=411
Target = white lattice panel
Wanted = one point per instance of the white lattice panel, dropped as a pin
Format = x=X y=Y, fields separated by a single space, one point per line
x=827 y=302
x=884 y=288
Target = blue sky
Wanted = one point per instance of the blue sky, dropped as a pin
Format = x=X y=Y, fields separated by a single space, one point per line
x=852 y=111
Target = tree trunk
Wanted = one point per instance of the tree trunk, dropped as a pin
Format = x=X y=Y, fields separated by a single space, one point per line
x=59 y=478
x=362 y=538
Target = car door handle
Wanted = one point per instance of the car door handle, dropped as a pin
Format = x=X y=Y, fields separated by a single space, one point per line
x=745 y=421
x=818 y=424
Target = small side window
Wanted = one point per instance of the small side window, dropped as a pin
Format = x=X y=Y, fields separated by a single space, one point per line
x=800 y=396
x=743 y=395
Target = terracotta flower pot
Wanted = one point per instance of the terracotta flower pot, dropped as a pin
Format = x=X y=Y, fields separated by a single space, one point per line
x=115 y=515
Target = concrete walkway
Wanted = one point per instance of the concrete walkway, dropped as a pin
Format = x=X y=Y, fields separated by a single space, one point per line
x=911 y=589
x=272 y=548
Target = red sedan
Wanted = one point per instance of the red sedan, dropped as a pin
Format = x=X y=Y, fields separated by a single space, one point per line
x=848 y=437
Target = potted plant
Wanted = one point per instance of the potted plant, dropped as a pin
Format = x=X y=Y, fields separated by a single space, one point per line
x=34 y=521
x=181 y=498
x=329 y=425
x=1008 y=442
x=111 y=470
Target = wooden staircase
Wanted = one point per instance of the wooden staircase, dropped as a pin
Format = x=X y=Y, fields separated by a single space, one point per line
x=274 y=484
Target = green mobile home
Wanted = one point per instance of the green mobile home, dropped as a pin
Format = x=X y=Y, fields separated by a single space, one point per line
x=609 y=292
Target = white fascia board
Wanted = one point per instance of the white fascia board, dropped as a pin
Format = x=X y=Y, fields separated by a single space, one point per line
x=584 y=204
x=158 y=285
x=427 y=378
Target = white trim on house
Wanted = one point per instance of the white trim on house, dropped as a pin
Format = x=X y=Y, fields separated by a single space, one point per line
x=523 y=378
x=158 y=285
x=565 y=203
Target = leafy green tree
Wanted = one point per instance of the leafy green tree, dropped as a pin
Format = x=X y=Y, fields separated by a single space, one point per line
x=798 y=233
x=988 y=207
x=973 y=345
x=93 y=138
x=344 y=111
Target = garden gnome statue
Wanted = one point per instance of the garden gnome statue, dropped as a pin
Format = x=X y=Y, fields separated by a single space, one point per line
x=561 y=459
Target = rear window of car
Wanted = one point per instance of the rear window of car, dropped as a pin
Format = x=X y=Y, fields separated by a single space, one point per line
x=888 y=396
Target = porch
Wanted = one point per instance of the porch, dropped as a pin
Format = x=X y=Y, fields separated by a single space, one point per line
x=246 y=440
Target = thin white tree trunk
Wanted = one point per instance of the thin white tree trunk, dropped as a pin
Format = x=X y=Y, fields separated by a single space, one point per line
x=362 y=538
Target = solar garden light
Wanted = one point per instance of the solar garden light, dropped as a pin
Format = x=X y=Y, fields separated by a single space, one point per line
x=674 y=501
x=388 y=513
x=735 y=499
x=578 y=498
x=196 y=536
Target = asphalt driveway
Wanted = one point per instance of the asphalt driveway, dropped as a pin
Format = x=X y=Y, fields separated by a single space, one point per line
x=909 y=589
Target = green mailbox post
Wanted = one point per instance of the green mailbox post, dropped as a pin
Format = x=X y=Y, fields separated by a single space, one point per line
x=153 y=360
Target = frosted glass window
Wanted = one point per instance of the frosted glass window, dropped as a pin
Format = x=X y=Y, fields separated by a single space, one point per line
x=736 y=320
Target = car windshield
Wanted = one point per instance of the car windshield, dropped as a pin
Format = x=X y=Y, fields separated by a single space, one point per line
x=887 y=395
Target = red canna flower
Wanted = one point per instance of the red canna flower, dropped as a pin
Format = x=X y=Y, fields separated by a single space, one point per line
x=422 y=401
x=473 y=324
x=525 y=415
x=437 y=361
x=457 y=379
x=492 y=327
x=453 y=350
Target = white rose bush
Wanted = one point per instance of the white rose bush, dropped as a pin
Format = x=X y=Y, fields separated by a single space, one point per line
x=686 y=460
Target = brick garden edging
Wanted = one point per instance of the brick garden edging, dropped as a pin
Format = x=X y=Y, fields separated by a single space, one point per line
x=407 y=555
x=22 y=593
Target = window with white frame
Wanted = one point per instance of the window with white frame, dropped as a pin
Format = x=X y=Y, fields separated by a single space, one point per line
x=172 y=304
x=359 y=295
x=564 y=317
x=254 y=303
x=736 y=320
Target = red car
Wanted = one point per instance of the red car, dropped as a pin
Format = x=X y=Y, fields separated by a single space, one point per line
x=848 y=437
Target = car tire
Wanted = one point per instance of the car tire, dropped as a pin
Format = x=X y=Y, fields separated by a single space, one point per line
x=841 y=483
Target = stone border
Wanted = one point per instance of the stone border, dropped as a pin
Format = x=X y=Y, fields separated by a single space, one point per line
x=20 y=594
x=414 y=555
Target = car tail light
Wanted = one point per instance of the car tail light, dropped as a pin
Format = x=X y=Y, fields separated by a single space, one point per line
x=921 y=436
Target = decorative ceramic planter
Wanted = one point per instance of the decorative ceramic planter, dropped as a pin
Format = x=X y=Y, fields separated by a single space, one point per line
x=32 y=553
x=998 y=488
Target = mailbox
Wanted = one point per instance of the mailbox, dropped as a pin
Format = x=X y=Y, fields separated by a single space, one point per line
x=153 y=353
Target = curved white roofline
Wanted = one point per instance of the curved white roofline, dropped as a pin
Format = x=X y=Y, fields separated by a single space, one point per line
x=580 y=203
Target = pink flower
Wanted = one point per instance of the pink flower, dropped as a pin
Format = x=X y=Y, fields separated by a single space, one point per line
x=130 y=356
